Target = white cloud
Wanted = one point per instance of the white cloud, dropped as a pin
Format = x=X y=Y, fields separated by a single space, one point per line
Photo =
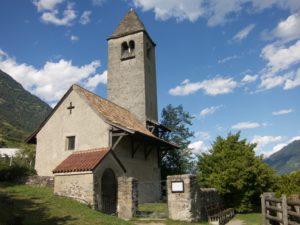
x=43 y=5
x=294 y=139
x=245 y=125
x=279 y=57
x=269 y=81
x=185 y=88
x=265 y=140
x=209 y=110
x=242 y=34
x=2 y=54
x=215 y=86
x=52 y=80
x=215 y=11
x=51 y=14
x=198 y=147
x=203 y=134
x=288 y=29
x=278 y=147
x=67 y=18
x=293 y=81
x=97 y=79
x=181 y=9
x=74 y=38
x=218 y=86
x=85 y=17
x=282 y=112
x=249 y=78
x=289 y=80
x=229 y=58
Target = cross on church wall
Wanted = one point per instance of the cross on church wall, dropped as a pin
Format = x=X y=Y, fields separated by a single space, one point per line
x=70 y=107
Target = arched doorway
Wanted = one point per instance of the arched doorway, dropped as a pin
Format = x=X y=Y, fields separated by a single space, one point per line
x=109 y=192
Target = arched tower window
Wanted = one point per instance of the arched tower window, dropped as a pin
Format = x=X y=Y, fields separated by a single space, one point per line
x=131 y=46
x=127 y=50
x=124 y=47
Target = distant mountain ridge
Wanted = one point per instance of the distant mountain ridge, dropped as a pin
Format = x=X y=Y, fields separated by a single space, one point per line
x=20 y=111
x=287 y=159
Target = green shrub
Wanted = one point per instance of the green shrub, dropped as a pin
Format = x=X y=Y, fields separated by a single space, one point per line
x=289 y=184
x=14 y=172
x=240 y=176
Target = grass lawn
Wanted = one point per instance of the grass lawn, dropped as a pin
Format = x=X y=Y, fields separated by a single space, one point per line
x=250 y=219
x=154 y=207
x=39 y=206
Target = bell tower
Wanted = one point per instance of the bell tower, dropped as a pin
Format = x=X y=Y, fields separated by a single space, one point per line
x=131 y=68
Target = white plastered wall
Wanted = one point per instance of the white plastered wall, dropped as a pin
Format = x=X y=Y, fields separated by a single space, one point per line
x=89 y=129
x=146 y=171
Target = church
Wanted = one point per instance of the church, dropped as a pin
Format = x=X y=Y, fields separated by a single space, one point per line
x=87 y=141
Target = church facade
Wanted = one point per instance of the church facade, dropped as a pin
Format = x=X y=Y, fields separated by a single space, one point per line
x=88 y=141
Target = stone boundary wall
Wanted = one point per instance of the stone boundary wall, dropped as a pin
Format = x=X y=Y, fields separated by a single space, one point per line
x=189 y=204
x=127 y=197
x=40 y=181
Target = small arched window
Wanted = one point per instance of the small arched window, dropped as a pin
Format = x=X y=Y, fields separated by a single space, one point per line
x=127 y=50
x=124 y=47
x=131 y=46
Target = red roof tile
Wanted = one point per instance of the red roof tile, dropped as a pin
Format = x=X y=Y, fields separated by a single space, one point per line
x=82 y=161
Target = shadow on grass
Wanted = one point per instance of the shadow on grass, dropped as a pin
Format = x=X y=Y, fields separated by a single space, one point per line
x=20 y=211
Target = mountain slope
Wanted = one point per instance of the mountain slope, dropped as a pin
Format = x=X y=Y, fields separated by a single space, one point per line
x=20 y=111
x=287 y=159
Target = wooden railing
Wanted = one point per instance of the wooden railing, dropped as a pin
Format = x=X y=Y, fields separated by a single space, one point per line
x=279 y=210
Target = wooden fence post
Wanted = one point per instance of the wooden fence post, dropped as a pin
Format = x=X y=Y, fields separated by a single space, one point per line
x=284 y=210
x=263 y=209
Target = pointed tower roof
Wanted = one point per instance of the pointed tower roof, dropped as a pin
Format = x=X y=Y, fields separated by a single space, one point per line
x=130 y=24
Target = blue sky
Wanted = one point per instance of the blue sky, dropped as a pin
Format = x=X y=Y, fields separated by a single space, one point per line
x=234 y=65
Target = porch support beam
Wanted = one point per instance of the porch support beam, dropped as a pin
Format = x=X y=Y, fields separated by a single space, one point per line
x=117 y=142
x=134 y=147
x=147 y=150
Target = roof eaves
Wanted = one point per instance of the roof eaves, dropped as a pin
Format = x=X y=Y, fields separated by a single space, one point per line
x=100 y=115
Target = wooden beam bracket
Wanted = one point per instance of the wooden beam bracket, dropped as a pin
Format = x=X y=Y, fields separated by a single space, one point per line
x=134 y=148
x=117 y=142
x=147 y=150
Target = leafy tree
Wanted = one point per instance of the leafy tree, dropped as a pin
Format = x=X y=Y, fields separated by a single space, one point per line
x=177 y=161
x=289 y=184
x=26 y=155
x=233 y=169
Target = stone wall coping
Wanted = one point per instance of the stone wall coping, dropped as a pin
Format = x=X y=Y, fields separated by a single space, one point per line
x=182 y=176
x=73 y=173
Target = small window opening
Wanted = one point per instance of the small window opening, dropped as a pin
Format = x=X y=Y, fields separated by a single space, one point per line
x=124 y=47
x=131 y=46
x=70 y=143
x=127 y=50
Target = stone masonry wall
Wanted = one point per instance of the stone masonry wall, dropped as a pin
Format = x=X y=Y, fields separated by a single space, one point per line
x=41 y=181
x=190 y=204
x=127 y=197
x=131 y=83
x=78 y=186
